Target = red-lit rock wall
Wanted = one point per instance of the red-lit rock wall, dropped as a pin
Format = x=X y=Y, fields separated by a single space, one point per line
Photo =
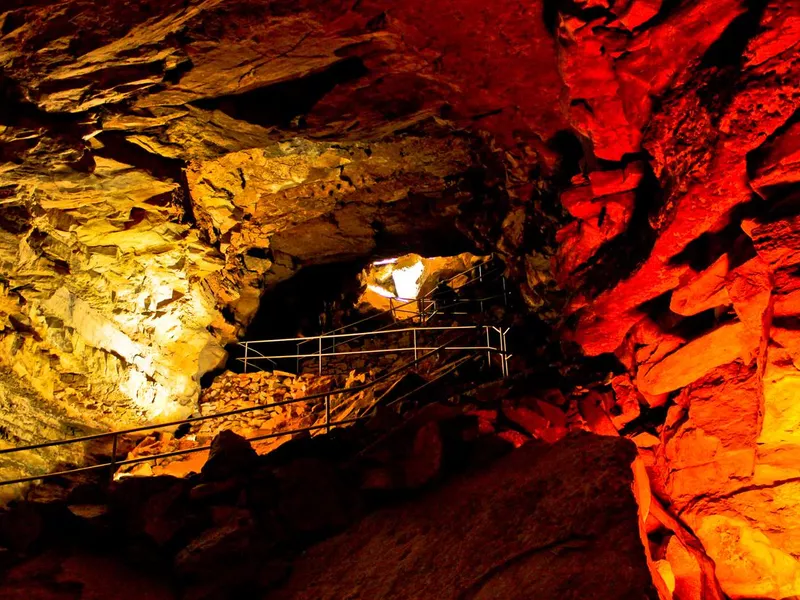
x=682 y=259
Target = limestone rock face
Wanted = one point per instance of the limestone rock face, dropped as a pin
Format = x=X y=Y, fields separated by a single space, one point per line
x=304 y=203
x=162 y=165
x=695 y=291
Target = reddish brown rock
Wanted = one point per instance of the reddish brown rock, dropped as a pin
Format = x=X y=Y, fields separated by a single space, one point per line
x=685 y=569
x=594 y=408
x=230 y=455
x=566 y=539
x=780 y=160
x=525 y=418
x=703 y=291
x=627 y=406
x=786 y=296
x=749 y=287
x=778 y=242
x=709 y=177
x=692 y=361
x=600 y=220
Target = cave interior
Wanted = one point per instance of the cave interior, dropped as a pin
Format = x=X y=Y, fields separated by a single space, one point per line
x=530 y=273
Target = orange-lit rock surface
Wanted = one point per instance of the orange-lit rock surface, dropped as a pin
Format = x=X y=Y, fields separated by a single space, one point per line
x=163 y=165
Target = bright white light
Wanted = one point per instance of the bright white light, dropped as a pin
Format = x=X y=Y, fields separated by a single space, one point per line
x=385 y=261
x=407 y=280
x=379 y=290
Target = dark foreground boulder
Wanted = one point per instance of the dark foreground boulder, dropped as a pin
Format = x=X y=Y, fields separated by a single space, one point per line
x=546 y=522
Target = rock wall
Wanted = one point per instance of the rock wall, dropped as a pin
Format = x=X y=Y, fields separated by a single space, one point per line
x=681 y=259
x=574 y=533
x=143 y=215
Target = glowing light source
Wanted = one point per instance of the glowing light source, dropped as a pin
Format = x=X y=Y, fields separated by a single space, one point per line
x=407 y=280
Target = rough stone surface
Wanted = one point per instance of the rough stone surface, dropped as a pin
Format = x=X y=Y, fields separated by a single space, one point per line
x=549 y=522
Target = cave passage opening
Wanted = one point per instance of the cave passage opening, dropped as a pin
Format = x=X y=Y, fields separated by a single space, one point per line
x=357 y=296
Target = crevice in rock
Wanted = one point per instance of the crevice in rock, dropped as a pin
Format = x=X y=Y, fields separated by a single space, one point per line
x=283 y=104
x=754 y=157
x=118 y=148
x=727 y=51
x=557 y=547
x=619 y=258
x=701 y=252
x=295 y=304
x=724 y=58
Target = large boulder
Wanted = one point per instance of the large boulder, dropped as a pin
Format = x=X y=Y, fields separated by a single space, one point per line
x=546 y=522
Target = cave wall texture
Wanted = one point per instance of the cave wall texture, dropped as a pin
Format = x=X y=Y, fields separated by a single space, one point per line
x=162 y=163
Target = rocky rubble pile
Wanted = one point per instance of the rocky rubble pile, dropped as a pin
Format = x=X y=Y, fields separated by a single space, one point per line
x=266 y=391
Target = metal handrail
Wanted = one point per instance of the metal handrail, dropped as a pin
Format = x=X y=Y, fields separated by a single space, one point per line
x=392 y=325
x=331 y=352
x=326 y=336
x=389 y=327
x=116 y=434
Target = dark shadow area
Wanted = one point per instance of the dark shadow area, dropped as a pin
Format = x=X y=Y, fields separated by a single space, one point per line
x=617 y=259
x=117 y=148
x=279 y=104
x=757 y=156
x=728 y=49
x=723 y=59
x=703 y=251
x=296 y=304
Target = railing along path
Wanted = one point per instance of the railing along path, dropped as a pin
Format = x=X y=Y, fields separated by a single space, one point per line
x=426 y=308
x=113 y=464
x=484 y=331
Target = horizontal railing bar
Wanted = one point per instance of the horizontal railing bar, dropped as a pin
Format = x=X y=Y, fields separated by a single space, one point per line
x=183 y=451
x=359 y=352
x=245 y=345
x=453 y=366
x=56 y=474
x=346 y=335
x=391 y=327
x=396 y=309
x=428 y=294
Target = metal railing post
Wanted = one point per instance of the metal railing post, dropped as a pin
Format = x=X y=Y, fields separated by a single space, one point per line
x=505 y=294
x=113 y=456
x=480 y=279
x=320 y=355
x=328 y=413
x=297 y=368
x=505 y=351
x=246 y=348
x=488 y=347
x=415 y=344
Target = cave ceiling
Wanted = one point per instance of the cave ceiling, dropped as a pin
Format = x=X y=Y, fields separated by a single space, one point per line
x=162 y=163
